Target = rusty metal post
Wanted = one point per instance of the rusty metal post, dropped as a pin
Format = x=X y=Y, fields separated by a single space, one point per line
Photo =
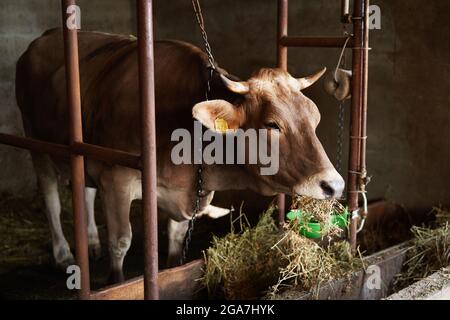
x=315 y=42
x=148 y=147
x=282 y=50
x=282 y=54
x=355 y=120
x=76 y=136
x=365 y=82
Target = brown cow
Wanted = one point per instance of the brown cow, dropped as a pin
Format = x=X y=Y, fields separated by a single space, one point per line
x=270 y=99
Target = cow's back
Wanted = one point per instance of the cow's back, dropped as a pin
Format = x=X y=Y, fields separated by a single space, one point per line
x=109 y=87
x=40 y=83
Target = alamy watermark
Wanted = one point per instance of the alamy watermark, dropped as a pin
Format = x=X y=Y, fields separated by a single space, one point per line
x=373 y=279
x=74 y=279
x=73 y=22
x=222 y=147
x=374 y=17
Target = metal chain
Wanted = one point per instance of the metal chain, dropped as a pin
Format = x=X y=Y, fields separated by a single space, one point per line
x=198 y=196
x=341 y=114
x=340 y=136
x=199 y=192
x=201 y=24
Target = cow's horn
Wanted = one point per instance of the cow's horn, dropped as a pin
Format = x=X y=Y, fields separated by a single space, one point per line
x=239 y=87
x=309 y=81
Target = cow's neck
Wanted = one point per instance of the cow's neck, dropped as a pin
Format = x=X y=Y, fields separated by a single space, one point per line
x=232 y=177
x=225 y=177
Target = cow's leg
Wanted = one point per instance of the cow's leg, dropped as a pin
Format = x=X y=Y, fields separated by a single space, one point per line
x=48 y=184
x=93 y=240
x=176 y=233
x=116 y=193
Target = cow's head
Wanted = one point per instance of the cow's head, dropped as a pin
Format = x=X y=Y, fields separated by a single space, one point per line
x=272 y=99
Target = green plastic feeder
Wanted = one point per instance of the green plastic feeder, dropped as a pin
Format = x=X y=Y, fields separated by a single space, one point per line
x=313 y=230
x=340 y=220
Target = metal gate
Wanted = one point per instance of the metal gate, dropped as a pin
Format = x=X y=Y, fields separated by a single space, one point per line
x=77 y=150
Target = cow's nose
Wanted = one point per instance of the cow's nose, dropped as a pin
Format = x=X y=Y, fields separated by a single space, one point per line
x=333 y=188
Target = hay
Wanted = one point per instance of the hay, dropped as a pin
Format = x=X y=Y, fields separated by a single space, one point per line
x=317 y=210
x=429 y=253
x=309 y=265
x=314 y=210
x=24 y=232
x=239 y=265
x=262 y=261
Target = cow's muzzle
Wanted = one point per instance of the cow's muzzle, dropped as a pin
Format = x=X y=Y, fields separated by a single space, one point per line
x=326 y=184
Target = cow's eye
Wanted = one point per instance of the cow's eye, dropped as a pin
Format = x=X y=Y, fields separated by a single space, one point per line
x=272 y=125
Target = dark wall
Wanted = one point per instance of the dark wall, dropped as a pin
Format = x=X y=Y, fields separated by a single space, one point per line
x=21 y=21
x=408 y=132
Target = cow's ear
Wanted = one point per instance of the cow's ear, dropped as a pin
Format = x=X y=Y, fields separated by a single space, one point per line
x=219 y=115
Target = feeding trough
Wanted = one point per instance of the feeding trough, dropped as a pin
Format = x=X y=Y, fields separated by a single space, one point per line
x=184 y=282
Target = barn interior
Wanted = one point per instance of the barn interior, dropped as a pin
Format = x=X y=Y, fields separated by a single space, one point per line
x=408 y=150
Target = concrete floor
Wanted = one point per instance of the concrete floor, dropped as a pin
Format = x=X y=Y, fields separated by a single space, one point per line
x=434 y=287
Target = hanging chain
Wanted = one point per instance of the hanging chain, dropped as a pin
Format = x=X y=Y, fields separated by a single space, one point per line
x=198 y=196
x=340 y=137
x=199 y=187
x=201 y=24
x=341 y=114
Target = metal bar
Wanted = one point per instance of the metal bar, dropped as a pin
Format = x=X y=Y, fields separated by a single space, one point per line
x=112 y=156
x=281 y=203
x=314 y=42
x=355 y=133
x=365 y=87
x=148 y=147
x=282 y=54
x=53 y=149
x=77 y=161
x=364 y=104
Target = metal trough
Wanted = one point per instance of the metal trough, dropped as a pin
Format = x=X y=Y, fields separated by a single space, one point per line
x=181 y=283
x=359 y=285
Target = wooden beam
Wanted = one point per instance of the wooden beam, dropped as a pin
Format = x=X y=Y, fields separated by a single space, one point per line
x=180 y=283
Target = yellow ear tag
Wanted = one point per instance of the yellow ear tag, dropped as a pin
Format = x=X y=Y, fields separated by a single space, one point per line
x=221 y=125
